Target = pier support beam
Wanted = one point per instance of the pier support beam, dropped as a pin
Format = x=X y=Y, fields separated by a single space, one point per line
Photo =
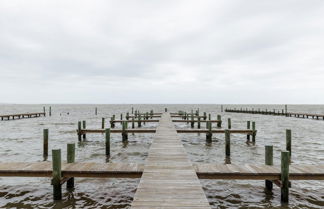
x=268 y=161
x=56 y=174
x=70 y=159
x=284 y=177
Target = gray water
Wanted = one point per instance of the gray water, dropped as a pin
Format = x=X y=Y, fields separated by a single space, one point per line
x=21 y=141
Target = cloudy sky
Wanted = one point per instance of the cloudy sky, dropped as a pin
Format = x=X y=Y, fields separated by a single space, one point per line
x=248 y=51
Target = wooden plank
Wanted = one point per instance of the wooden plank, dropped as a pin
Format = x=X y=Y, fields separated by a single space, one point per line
x=167 y=172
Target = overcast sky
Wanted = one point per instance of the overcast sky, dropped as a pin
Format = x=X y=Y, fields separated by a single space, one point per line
x=248 y=51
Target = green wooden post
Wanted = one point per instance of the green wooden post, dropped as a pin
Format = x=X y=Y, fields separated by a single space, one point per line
x=133 y=122
x=107 y=141
x=192 y=121
x=209 y=116
x=288 y=142
x=229 y=123
x=70 y=159
x=198 y=122
x=139 y=121
x=219 y=123
x=103 y=123
x=253 y=132
x=50 y=111
x=284 y=176
x=45 y=143
x=248 y=126
x=227 y=143
x=124 y=133
x=209 y=134
x=79 y=130
x=84 y=127
x=56 y=174
x=268 y=161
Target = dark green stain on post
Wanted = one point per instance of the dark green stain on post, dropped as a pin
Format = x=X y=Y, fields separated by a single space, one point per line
x=268 y=161
x=56 y=174
x=70 y=159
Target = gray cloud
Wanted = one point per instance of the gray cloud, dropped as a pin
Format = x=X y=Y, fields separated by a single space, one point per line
x=161 y=52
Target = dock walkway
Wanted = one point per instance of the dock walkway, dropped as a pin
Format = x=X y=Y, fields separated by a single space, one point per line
x=169 y=179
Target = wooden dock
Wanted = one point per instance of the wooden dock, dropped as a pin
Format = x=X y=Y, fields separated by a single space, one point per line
x=278 y=113
x=169 y=179
x=22 y=115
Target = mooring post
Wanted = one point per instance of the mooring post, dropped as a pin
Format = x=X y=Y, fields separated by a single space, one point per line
x=96 y=111
x=132 y=110
x=44 y=111
x=192 y=121
x=248 y=124
x=209 y=134
x=198 y=122
x=124 y=133
x=50 y=111
x=133 y=122
x=268 y=161
x=284 y=176
x=107 y=141
x=286 y=110
x=205 y=116
x=219 y=123
x=70 y=159
x=127 y=116
x=165 y=109
x=121 y=118
x=209 y=116
x=253 y=132
x=221 y=108
x=103 y=123
x=45 y=143
x=84 y=127
x=288 y=142
x=139 y=121
x=79 y=130
x=56 y=174
x=229 y=123
x=227 y=143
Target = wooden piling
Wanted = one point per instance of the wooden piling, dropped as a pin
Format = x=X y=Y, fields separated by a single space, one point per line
x=219 y=123
x=44 y=111
x=288 y=142
x=284 y=176
x=248 y=126
x=133 y=122
x=139 y=121
x=227 y=143
x=50 y=111
x=56 y=174
x=209 y=116
x=132 y=110
x=70 y=159
x=45 y=143
x=192 y=121
x=107 y=141
x=79 y=130
x=84 y=127
x=268 y=161
x=221 y=108
x=96 y=111
x=209 y=134
x=124 y=133
x=198 y=123
x=103 y=123
x=229 y=123
x=205 y=116
x=254 y=132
